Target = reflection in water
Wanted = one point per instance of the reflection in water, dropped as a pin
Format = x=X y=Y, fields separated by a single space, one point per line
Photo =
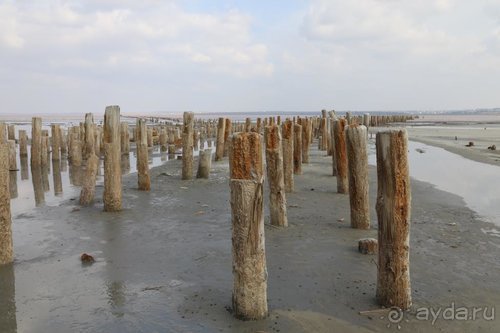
x=56 y=174
x=45 y=178
x=8 y=323
x=13 y=184
x=64 y=163
x=24 y=168
x=116 y=295
x=125 y=164
x=75 y=175
x=36 y=174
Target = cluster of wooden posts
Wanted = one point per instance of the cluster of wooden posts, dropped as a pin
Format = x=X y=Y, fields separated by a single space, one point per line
x=286 y=148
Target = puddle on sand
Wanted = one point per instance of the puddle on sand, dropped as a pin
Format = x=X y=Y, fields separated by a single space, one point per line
x=477 y=183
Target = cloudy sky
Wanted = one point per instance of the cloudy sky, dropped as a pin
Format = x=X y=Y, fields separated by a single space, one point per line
x=231 y=55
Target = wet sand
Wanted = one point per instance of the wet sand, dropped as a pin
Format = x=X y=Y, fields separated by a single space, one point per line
x=164 y=262
x=483 y=136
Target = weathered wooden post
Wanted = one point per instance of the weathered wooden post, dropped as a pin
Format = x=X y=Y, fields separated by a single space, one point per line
x=23 y=143
x=204 y=163
x=45 y=151
x=112 y=152
x=24 y=168
x=274 y=164
x=227 y=132
x=88 y=188
x=332 y=134
x=393 y=213
x=324 y=133
x=12 y=155
x=306 y=139
x=56 y=177
x=63 y=143
x=149 y=137
x=56 y=141
x=248 y=241
x=297 y=149
x=141 y=140
x=219 y=148
x=36 y=141
x=6 y=250
x=11 y=132
x=163 y=139
x=357 y=157
x=287 y=134
x=124 y=138
x=248 y=125
x=340 y=155
x=3 y=132
x=187 y=146
x=89 y=135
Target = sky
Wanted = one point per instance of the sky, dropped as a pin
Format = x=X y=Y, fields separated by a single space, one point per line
x=236 y=56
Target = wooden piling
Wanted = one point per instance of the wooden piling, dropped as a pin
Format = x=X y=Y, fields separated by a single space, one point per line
x=88 y=188
x=306 y=139
x=124 y=138
x=276 y=181
x=56 y=142
x=340 y=155
x=332 y=134
x=11 y=135
x=219 y=148
x=36 y=141
x=227 y=132
x=6 y=249
x=187 y=146
x=357 y=158
x=248 y=241
x=297 y=149
x=393 y=213
x=287 y=135
x=143 y=180
x=12 y=155
x=89 y=136
x=57 y=177
x=3 y=132
x=112 y=152
x=204 y=163
x=23 y=143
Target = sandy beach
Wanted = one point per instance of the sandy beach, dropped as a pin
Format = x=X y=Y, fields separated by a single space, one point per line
x=163 y=264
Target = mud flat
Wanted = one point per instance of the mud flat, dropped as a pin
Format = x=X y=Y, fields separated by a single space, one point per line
x=163 y=264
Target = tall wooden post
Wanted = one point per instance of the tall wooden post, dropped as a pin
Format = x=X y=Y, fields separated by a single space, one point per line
x=297 y=149
x=88 y=188
x=306 y=139
x=36 y=141
x=227 y=132
x=357 y=157
x=332 y=134
x=11 y=129
x=23 y=143
x=274 y=165
x=219 y=148
x=287 y=134
x=340 y=155
x=12 y=155
x=89 y=135
x=6 y=251
x=56 y=142
x=124 y=138
x=248 y=241
x=187 y=145
x=248 y=125
x=56 y=177
x=3 y=132
x=141 y=140
x=112 y=153
x=393 y=213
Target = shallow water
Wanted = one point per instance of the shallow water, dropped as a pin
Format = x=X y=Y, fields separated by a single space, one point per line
x=477 y=183
x=60 y=181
